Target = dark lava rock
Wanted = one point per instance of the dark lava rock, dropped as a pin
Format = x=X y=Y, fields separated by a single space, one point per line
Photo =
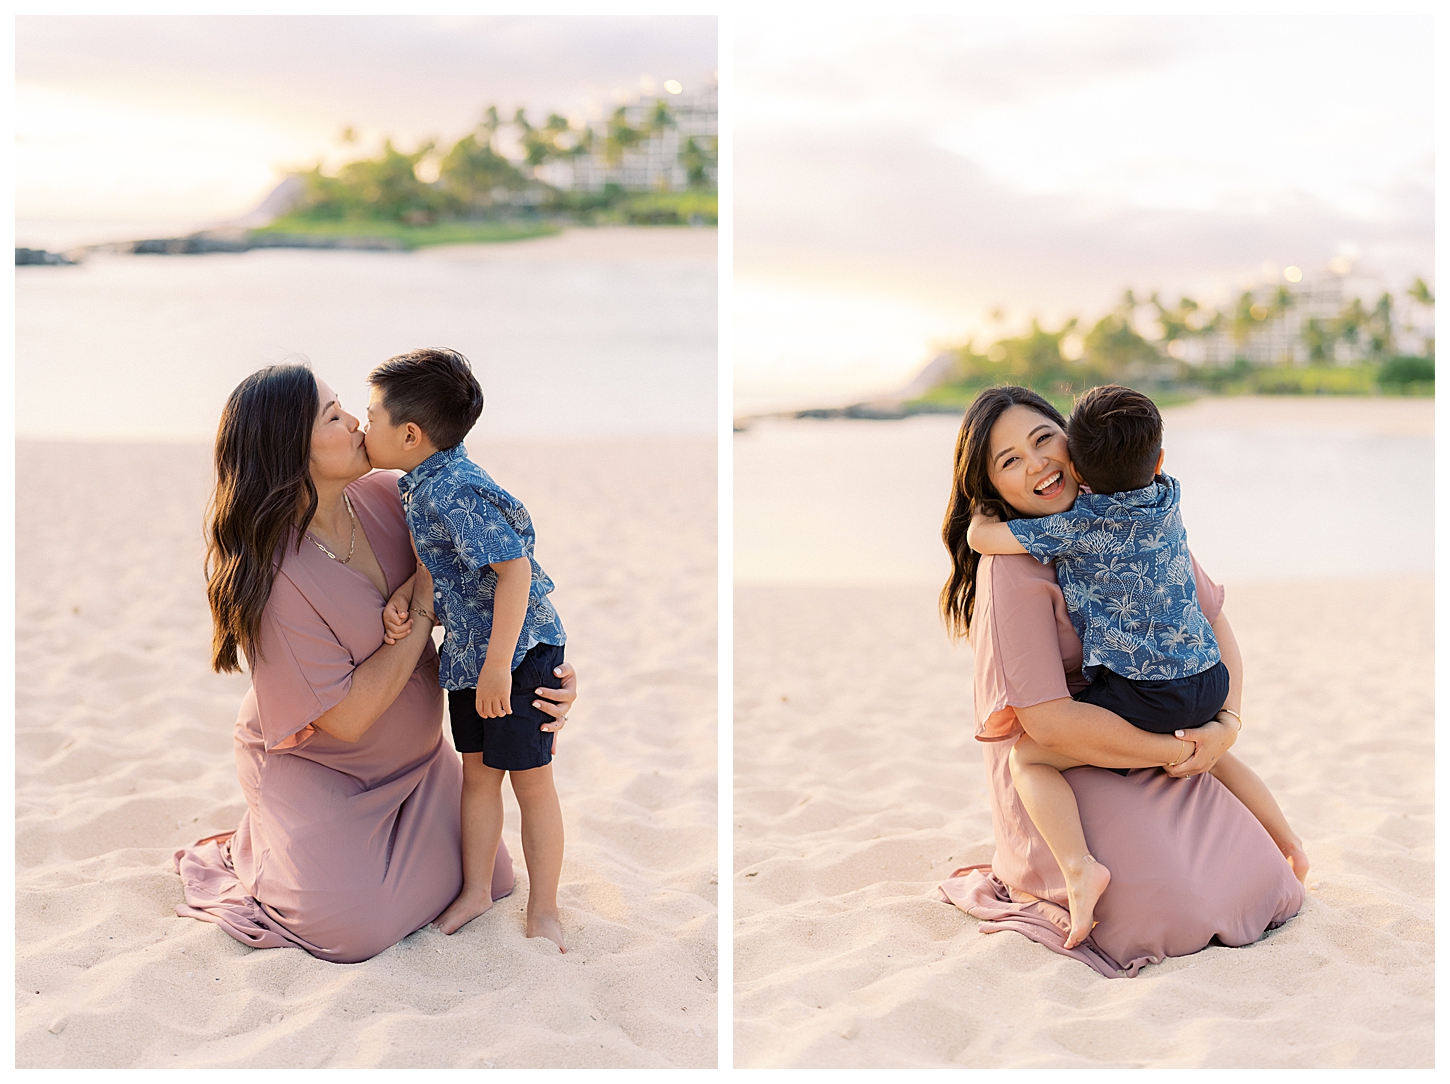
x=25 y=256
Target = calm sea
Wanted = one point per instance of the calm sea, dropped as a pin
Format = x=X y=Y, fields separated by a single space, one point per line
x=1272 y=490
x=594 y=334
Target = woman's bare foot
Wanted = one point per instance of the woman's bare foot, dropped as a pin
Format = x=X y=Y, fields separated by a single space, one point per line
x=1298 y=860
x=467 y=907
x=1084 y=886
x=545 y=926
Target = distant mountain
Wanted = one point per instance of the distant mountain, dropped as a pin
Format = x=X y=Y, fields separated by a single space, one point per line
x=282 y=199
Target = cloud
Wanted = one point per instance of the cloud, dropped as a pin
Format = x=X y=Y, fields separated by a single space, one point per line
x=414 y=74
x=923 y=73
x=917 y=221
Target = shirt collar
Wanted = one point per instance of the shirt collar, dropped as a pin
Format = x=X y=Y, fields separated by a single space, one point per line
x=1161 y=489
x=434 y=466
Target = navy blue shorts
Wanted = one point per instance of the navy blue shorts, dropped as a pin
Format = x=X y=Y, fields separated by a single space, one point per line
x=514 y=743
x=1160 y=706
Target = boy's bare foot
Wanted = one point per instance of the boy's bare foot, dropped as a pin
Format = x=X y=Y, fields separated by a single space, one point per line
x=1083 y=890
x=1298 y=861
x=545 y=926
x=467 y=907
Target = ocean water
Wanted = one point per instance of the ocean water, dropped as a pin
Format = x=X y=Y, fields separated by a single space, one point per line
x=1272 y=491
x=592 y=335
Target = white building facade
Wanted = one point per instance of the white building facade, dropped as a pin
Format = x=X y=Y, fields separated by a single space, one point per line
x=1278 y=338
x=653 y=165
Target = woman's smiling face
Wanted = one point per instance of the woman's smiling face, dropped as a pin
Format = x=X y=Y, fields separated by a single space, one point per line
x=1029 y=462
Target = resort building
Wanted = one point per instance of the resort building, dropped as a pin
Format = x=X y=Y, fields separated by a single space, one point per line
x=657 y=162
x=1278 y=326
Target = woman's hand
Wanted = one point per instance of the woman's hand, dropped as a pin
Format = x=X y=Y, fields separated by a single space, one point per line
x=558 y=702
x=1210 y=741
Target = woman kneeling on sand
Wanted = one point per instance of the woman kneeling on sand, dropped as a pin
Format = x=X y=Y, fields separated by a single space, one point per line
x=1189 y=862
x=350 y=839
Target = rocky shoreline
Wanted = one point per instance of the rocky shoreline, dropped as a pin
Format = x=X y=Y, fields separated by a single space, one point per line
x=39 y=256
x=209 y=241
x=881 y=410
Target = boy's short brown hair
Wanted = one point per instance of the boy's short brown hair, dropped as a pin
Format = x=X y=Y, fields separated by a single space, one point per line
x=1114 y=436
x=434 y=388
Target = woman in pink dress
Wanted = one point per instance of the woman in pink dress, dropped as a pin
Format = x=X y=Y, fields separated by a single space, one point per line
x=1189 y=862
x=350 y=839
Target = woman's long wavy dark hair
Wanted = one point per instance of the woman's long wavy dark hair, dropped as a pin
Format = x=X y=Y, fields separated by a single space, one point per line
x=973 y=491
x=263 y=482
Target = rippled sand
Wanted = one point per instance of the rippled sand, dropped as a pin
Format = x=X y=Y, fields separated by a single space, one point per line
x=859 y=787
x=124 y=752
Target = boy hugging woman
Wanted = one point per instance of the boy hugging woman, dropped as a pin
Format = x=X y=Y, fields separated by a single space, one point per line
x=1150 y=654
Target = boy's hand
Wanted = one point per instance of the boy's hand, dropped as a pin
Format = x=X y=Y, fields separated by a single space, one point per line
x=979 y=518
x=491 y=700
x=397 y=617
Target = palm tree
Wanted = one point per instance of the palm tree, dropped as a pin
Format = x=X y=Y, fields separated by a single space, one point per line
x=698 y=159
x=1381 y=327
x=620 y=137
x=542 y=144
x=1319 y=340
x=1352 y=320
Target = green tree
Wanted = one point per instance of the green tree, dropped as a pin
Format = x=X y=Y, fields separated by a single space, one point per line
x=698 y=157
x=1380 y=328
x=545 y=143
x=1115 y=351
x=1351 y=322
x=1319 y=340
x=620 y=137
x=383 y=187
x=474 y=178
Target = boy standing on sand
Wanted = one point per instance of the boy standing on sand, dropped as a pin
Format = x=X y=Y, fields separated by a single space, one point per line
x=503 y=638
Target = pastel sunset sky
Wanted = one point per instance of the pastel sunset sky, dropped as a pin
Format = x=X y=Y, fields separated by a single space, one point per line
x=196 y=118
x=898 y=179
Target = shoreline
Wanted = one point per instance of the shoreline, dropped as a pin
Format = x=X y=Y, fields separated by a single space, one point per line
x=893 y=410
x=403 y=239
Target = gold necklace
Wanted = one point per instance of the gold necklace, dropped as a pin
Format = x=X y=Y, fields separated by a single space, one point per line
x=351 y=545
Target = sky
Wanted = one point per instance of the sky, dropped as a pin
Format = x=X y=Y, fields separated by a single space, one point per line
x=897 y=180
x=196 y=118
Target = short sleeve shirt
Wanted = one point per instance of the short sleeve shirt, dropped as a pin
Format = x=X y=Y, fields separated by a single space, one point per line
x=1127 y=579
x=462 y=521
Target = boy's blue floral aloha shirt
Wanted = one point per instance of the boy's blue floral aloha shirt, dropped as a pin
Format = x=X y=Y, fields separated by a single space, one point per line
x=462 y=521
x=1127 y=579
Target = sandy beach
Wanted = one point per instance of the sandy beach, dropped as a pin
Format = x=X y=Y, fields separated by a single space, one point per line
x=124 y=753
x=859 y=787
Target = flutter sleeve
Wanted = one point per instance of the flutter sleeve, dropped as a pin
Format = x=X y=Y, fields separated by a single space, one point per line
x=478 y=532
x=301 y=670
x=1015 y=642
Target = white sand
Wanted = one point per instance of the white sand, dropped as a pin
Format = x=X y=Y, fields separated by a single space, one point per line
x=124 y=752
x=863 y=788
x=859 y=786
x=613 y=243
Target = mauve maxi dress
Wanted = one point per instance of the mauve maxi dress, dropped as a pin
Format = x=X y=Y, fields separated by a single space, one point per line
x=1189 y=862
x=345 y=848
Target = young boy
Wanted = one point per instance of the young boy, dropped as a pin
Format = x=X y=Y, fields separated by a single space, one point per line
x=502 y=637
x=1151 y=655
